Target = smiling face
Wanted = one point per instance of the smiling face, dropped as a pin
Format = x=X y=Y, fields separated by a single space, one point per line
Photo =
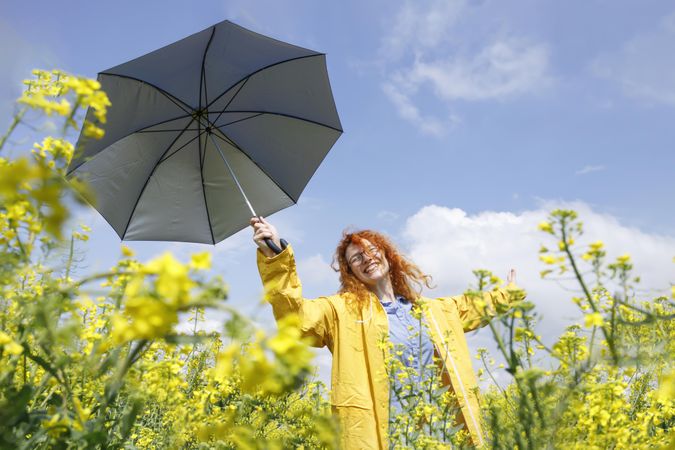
x=367 y=262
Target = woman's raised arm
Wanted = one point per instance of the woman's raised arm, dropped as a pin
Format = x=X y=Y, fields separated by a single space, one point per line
x=474 y=311
x=283 y=289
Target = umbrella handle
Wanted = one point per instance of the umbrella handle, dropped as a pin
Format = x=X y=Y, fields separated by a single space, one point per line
x=274 y=247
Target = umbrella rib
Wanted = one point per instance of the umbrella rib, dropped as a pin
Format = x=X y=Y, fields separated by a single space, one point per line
x=235 y=121
x=260 y=70
x=290 y=116
x=229 y=140
x=140 y=130
x=175 y=100
x=202 y=81
x=233 y=97
x=148 y=180
x=179 y=148
x=201 y=174
x=202 y=78
x=201 y=156
x=145 y=128
x=163 y=131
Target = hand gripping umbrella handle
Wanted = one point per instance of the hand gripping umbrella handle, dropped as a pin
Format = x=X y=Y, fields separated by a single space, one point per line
x=274 y=247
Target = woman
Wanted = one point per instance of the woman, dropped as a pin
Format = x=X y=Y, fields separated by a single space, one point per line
x=376 y=279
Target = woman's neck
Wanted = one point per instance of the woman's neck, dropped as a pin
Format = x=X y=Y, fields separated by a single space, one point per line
x=384 y=290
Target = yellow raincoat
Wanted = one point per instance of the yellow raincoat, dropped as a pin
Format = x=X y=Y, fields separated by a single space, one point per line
x=360 y=386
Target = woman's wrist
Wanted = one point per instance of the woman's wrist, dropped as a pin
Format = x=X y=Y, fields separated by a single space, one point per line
x=268 y=252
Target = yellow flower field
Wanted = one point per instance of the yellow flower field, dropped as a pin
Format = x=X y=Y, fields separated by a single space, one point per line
x=96 y=362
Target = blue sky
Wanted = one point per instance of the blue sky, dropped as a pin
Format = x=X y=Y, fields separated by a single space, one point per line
x=464 y=122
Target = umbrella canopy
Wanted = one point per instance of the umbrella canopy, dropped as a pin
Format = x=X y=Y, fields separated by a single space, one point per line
x=196 y=122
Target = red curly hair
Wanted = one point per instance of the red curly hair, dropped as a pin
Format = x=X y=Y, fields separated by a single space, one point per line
x=406 y=278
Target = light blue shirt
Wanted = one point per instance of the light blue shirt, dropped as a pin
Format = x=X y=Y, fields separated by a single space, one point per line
x=404 y=333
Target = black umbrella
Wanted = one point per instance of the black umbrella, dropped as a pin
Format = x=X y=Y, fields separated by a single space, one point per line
x=204 y=128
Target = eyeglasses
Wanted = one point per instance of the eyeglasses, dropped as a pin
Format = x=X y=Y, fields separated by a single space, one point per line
x=358 y=258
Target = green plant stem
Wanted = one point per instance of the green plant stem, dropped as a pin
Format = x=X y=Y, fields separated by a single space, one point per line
x=17 y=120
x=592 y=342
x=100 y=276
x=589 y=297
x=514 y=360
x=24 y=253
x=494 y=380
x=71 y=117
x=70 y=257
x=42 y=363
x=513 y=368
x=537 y=403
x=126 y=365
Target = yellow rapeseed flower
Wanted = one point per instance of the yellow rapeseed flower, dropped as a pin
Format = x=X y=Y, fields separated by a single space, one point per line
x=666 y=391
x=13 y=348
x=546 y=227
x=9 y=345
x=144 y=318
x=547 y=259
x=593 y=319
x=173 y=282
x=5 y=338
x=200 y=261
x=92 y=131
x=623 y=259
x=494 y=279
x=597 y=245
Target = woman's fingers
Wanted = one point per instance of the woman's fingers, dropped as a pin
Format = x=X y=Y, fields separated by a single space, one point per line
x=257 y=225
x=263 y=230
x=260 y=230
x=262 y=234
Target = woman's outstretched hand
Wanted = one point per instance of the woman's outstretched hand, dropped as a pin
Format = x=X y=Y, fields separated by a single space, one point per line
x=262 y=230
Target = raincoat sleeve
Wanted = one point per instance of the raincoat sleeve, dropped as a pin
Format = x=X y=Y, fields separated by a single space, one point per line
x=284 y=292
x=474 y=311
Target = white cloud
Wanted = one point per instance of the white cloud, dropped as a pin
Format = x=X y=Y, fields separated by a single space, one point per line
x=405 y=107
x=589 y=169
x=643 y=67
x=449 y=243
x=424 y=57
x=317 y=275
x=417 y=27
x=323 y=360
x=505 y=68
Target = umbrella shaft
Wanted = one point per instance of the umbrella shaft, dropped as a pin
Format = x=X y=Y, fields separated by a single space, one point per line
x=234 y=177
